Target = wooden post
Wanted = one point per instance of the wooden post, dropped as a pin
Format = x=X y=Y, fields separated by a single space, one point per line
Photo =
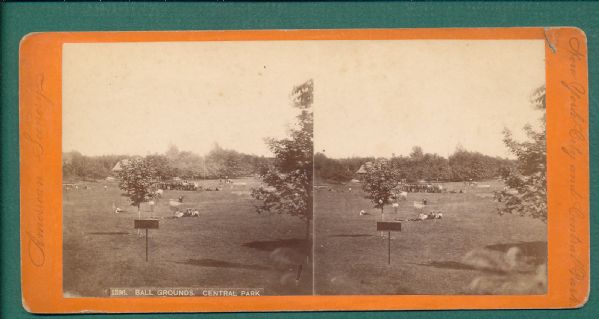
x=388 y=227
x=389 y=247
x=299 y=272
x=146 y=245
x=146 y=224
x=382 y=219
x=138 y=217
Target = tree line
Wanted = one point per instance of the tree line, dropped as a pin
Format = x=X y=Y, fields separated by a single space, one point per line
x=462 y=165
x=218 y=163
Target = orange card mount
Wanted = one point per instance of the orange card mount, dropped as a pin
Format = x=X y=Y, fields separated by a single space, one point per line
x=144 y=164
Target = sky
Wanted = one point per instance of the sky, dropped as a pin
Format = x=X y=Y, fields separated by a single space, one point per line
x=371 y=98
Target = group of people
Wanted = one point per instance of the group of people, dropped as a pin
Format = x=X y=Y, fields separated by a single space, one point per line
x=178 y=185
x=421 y=188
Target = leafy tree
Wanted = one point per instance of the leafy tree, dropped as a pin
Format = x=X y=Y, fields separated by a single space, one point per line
x=161 y=166
x=289 y=180
x=330 y=169
x=189 y=165
x=526 y=193
x=77 y=166
x=420 y=165
x=108 y=162
x=83 y=167
x=436 y=168
x=223 y=162
x=172 y=152
x=417 y=153
x=467 y=165
x=378 y=183
x=182 y=163
x=354 y=163
x=136 y=180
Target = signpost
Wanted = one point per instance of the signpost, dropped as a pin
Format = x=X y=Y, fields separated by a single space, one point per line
x=146 y=224
x=388 y=227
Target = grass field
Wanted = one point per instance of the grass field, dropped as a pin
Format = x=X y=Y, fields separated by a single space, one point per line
x=426 y=256
x=228 y=246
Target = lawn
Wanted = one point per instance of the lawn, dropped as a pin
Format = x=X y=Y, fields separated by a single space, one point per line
x=228 y=246
x=426 y=256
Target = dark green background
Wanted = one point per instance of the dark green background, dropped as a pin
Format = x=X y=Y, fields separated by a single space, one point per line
x=18 y=19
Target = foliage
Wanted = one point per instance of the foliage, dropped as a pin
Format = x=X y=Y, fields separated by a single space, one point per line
x=379 y=181
x=417 y=153
x=161 y=166
x=462 y=165
x=337 y=170
x=467 y=165
x=526 y=193
x=78 y=166
x=420 y=165
x=289 y=179
x=136 y=180
x=223 y=162
x=184 y=163
x=218 y=163
x=331 y=170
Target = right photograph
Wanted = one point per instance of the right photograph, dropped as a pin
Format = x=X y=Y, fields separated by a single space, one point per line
x=430 y=169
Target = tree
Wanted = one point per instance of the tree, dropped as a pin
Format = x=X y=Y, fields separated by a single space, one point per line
x=83 y=167
x=188 y=164
x=289 y=179
x=330 y=169
x=436 y=168
x=378 y=183
x=136 y=180
x=172 y=152
x=526 y=193
x=160 y=165
x=467 y=165
x=224 y=162
x=416 y=153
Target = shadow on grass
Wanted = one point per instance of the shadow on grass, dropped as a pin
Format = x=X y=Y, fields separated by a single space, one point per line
x=536 y=250
x=350 y=235
x=270 y=245
x=454 y=265
x=534 y=253
x=221 y=264
x=448 y=265
x=109 y=233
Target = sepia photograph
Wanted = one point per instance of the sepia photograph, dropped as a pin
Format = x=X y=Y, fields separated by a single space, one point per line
x=187 y=169
x=430 y=169
x=314 y=167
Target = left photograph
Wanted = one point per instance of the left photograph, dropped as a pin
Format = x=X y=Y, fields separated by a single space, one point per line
x=187 y=169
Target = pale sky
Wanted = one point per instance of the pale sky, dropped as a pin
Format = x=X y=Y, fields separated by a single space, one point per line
x=371 y=98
